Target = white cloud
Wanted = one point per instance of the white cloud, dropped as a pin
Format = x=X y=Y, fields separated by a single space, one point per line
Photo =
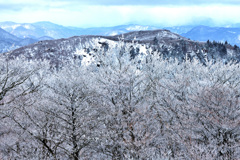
x=71 y=13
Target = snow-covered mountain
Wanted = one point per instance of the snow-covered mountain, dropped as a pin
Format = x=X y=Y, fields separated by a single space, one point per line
x=36 y=30
x=112 y=31
x=166 y=43
x=7 y=36
x=219 y=34
x=9 y=42
x=40 y=29
x=180 y=29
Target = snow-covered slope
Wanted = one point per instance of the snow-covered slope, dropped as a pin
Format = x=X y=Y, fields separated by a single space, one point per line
x=166 y=43
x=48 y=29
x=151 y=35
x=7 y=36
x=9 y=42
x=34 y=30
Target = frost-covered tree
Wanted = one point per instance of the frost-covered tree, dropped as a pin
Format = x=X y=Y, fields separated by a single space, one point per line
x=123 y=104
x=71 y=106
x=20 y=80
x=127 y=132
x=13 y=74
x=214 y=108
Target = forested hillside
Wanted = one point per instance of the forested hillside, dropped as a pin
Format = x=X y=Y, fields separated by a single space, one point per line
x=166 y=43
x=119 y=107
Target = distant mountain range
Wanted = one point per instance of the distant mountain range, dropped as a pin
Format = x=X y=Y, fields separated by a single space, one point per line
x=21 y=34
x=10 y=42
x=34 y=32
x=220 y=34
x=40 y=29
x=164 y=42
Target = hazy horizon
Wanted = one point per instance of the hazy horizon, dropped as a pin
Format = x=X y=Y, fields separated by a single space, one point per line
x=107 y=13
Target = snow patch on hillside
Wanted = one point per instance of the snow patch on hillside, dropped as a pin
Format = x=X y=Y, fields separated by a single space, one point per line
x=87 y=59
x=27 y=26
x=137 y=28
x=113 y=33
x=232 y=32
x=12 y=26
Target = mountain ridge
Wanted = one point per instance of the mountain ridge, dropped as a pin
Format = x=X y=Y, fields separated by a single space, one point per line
x=11 y=42
x=45 y=28
x=29 y=32
x=195 y=32
x=166 y=43
x=221 y=34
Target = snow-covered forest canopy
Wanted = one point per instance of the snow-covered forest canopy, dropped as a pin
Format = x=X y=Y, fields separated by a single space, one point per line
x=119 y=107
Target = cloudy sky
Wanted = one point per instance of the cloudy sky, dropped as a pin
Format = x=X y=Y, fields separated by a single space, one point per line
x=98 y=13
